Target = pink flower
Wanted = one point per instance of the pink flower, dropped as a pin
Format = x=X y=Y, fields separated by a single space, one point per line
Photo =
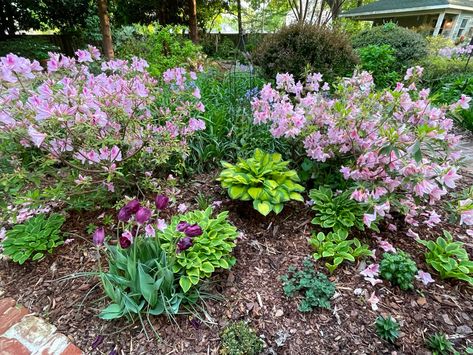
x=161 y=225
x=450 y=178
x=464 y=101
x=182 y=208
x=425 y=277
x=371 y=271
x=373 y=281
x=149 y=230
x=369 y=218
x=434 y=219
x=373 y=301
x=36 y=137
x=386 y=246
x=466 y=217
x=412 y=234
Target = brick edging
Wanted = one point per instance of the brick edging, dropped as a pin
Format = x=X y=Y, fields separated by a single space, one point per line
x=22 y=333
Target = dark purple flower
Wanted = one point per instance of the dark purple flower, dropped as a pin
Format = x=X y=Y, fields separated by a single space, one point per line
x=182 y=226
x=99 y=236
x=124 y=215
x=125 y=240
x=195 y=322
x=184 y=244
x=161 y=202
x=113 y=352
x=193 y=230
x=143 y=215
x=133 y=206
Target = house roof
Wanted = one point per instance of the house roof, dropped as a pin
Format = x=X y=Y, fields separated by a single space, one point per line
x=393 y=7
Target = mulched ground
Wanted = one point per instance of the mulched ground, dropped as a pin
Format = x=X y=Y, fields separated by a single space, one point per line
x=252 y=292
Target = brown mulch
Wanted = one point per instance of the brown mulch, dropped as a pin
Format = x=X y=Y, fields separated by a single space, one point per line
x=252 y=292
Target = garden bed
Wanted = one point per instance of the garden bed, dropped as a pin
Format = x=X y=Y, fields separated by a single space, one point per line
x=251 y=291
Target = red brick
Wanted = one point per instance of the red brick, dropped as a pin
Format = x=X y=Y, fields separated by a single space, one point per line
x=6 y=303
x=12 y=347
x=72 y=350
x=10 y=317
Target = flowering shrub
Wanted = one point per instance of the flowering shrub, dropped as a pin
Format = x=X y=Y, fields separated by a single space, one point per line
x=108 y=122
x=395 y=146
x=453 y=52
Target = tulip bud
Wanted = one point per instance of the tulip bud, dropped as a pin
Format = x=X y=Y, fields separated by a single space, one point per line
x=184 y=244
x=161 y=202
x=193 y=230
x=143 y=215
x=133 y=206
x=124 y=215
x=182 y=226
x=99 y=236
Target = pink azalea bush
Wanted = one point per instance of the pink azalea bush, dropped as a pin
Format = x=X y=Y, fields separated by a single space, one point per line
x=108 y=121
x=397 y=148
x=453 y=52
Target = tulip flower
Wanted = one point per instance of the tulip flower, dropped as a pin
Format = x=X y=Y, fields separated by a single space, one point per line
x=161 y=202
x=184 y=244
x=133 y=206
x=193 y=230
x=182 y=226
x=124 y=215
x=99 y=236
x=143 y=215
x=125 y=240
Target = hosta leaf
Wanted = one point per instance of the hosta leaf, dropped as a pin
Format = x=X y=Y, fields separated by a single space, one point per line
x=113 y=311
x=236 y=191
x=185 y=283
x=255 y=192
x=296 y=196
x=278 y=207
x=263 y=207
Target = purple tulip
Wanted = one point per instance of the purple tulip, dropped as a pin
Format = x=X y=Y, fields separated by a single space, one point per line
x=184 y=244
x=125 y=240
x=97 y=342
x=161 y=202
x=133 y=206
x=182 y=226
x=193 y=230
x=99 y=236
x=124 y=214
x=143 y=215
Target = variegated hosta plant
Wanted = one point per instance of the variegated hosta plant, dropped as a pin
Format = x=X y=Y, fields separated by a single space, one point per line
x=265 y=179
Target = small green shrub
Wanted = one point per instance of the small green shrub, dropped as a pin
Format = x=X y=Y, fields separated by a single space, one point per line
x=338 y=212
x=209 y=251
x=399 y=269
x=439 y=344
x=336 y=248
x=219 y=47
x=380 y=61
x=34 y=238
x=163 y=47
x=315 y=287
x=265 y=179
x=239 y=339
x=408 y=45
x=28 y=47
x=449 y=258
x=440 y=71
x=387 y=328
x=298 y=49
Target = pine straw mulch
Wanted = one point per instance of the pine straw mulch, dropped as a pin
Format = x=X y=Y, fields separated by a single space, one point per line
x=251 y=291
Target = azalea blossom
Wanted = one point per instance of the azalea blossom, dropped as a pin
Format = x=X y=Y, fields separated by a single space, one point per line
x=182 y=208
x=371 y=271
x=373 y=301
x=412 y=234
x=161 y=224
x=425 y=277
x=386 y=246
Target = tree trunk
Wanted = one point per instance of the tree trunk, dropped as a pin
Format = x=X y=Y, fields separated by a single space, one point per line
x=240 y=23
x=105 y=29
x=359 y=3
x=193 y=32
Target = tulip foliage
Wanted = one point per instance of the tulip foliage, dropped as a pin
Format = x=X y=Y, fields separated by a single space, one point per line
x=265 y=179
x=108 y=122
x=393 y=146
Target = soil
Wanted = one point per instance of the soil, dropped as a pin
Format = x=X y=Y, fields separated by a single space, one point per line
x=251 y=291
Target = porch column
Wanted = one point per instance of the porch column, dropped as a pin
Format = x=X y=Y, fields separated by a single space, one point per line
x=438 y=25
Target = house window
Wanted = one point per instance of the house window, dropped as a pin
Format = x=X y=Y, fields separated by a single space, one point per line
x=463 y=26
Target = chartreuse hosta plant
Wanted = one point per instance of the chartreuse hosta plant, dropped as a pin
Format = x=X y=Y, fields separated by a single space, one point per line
x=336 y=248
x=33 y=239
x=265 y=179
x=449 y=258
x=394 y=147
x=201 y=244
x=338 y=212
x=157 y=268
